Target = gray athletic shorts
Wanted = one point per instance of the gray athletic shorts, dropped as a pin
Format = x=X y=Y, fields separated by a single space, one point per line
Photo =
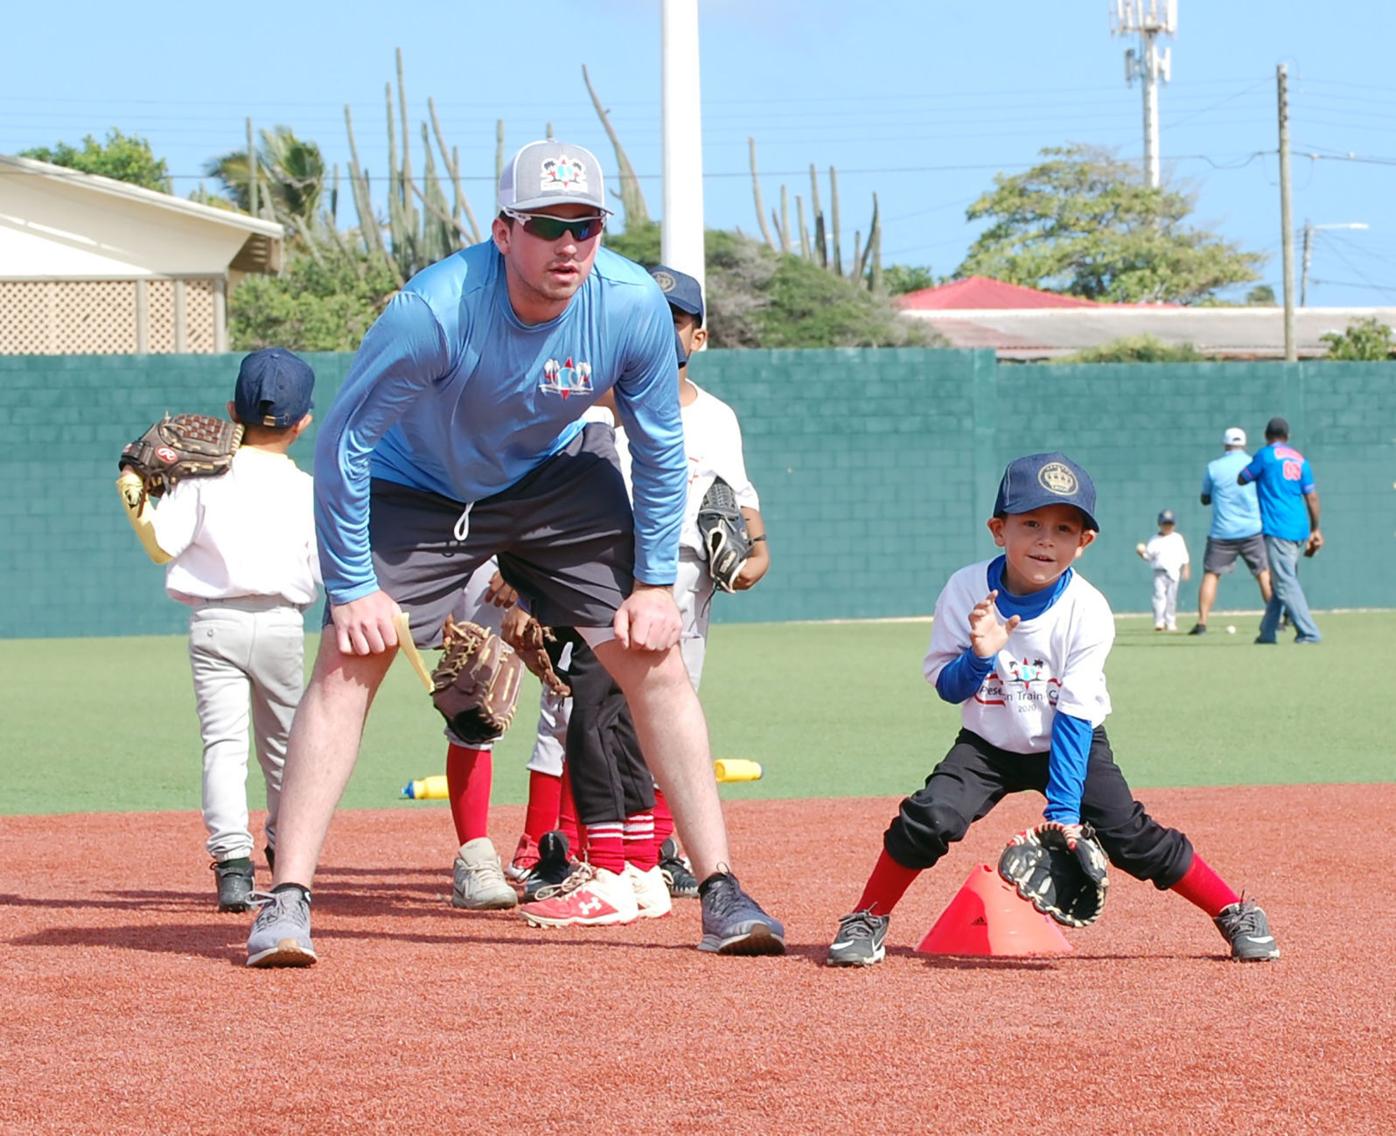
x=1220 y=557
x=563 y=535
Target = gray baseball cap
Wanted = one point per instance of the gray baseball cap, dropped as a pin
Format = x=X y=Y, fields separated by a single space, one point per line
x=549 y=173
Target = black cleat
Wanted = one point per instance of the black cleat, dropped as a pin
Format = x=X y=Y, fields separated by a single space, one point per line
x=1244 y=926
x=234 y=883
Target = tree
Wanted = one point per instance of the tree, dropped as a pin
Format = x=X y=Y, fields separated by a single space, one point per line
x=1084 y=223
x=1261 y=296
x=902 y=278
x=290 y=178
x=1135 y=349
x=122 y=157
x=322 y=302
x=1364 y=340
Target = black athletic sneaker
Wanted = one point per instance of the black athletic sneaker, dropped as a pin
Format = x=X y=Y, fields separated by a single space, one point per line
x=1245 y=927
x=859 y=941
x=234 y=883
x=1198 y=629
x=678 y=876
x=733 y=922
x=553 y=867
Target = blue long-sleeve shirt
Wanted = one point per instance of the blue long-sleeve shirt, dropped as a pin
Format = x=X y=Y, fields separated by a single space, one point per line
x=451 y=393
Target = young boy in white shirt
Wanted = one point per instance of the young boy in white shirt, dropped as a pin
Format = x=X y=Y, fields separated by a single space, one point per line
x=1020 y=644
x=240 y=551
x=1167 y=552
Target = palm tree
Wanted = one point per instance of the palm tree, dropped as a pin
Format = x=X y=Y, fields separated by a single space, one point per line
x=290 y=178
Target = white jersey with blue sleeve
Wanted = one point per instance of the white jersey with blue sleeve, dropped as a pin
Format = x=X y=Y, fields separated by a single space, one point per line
x=452 y=394
x=1052 y=662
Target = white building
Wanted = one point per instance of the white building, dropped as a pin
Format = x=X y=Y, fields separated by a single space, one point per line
x=89 y=265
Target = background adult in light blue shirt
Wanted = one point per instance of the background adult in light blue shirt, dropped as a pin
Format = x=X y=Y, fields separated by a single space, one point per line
x=1235 y=526
x=1289 y=514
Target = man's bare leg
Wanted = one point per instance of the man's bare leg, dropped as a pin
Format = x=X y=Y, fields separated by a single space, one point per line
x=323 y=748
x=673 y=736
x=1263 y=581
x=1206 y=596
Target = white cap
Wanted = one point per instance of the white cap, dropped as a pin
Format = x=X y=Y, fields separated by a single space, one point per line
x=552 y=173
x=1234 y=436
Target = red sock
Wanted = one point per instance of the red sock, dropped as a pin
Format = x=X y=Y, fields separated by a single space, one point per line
x=663 y=818
x=468 y=776
x=606 y=845
x=567 y=818
x=544 y=801
x=640 y=848
x=886 y=885
x=1202 y=886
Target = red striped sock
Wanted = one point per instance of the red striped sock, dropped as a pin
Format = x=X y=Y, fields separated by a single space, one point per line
x=640 y=848
x=469 y=773
x=544 y=804
x=1202 y=886
x=606 y=845
x=567 y=818
x=886 y=885
x=663 y=818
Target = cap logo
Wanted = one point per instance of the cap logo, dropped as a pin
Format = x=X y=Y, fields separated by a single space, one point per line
x=1056 y=478
x=666 y=282
x=563 y=174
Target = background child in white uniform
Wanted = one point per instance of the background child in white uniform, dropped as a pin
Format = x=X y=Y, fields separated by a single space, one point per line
x=240 y=551
x=1167 y=552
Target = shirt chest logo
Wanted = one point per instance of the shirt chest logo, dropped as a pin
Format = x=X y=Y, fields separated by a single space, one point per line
x=1019 y=682
x=566 y=378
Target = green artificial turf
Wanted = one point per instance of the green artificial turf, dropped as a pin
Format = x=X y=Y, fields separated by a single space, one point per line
x=832 y=709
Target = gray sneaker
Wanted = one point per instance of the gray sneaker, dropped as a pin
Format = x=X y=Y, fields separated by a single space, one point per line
x=478 y=882
x=1245 y=927
x=281 y=932
x=860 y=940
x=733 y=922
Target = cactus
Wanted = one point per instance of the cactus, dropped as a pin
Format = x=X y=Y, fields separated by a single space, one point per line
x=632 y=199
x=756 y=193
x=834 y=218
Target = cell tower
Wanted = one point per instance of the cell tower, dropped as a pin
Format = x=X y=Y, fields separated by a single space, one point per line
x=1148 y=19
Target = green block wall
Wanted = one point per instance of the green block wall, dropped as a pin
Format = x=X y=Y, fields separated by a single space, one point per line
x=876 y=471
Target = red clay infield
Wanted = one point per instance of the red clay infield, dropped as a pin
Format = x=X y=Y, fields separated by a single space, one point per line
x=127 y=1007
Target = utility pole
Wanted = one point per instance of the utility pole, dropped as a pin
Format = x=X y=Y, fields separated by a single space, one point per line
x=1149 y=19
x=1287 y=233
x=251 y=171
x=1309 y=231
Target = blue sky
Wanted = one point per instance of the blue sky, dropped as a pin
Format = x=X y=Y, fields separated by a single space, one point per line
x=921 y=101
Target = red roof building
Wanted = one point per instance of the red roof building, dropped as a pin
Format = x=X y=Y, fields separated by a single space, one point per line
x=980 y=293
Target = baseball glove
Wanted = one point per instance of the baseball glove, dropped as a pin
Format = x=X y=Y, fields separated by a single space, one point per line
x=476 y=683
x=530 y=640
x=725 y=539
x=1060 y=869
x=187 y=445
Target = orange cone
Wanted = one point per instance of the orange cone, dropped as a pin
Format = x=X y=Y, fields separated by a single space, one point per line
x=987 y=917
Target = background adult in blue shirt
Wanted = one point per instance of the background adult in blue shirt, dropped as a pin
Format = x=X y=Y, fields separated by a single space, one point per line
x=457 y=436
x=1235 y=528
x=1289 y=512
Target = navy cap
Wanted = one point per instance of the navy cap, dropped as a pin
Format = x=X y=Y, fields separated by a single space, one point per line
x=274 y=388
x=680 y=289
x=1167 y=518
x=1038 y=480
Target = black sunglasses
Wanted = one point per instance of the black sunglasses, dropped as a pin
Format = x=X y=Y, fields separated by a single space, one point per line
x=548 y=228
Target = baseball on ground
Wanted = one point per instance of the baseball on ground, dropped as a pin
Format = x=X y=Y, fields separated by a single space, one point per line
x=1231 y=629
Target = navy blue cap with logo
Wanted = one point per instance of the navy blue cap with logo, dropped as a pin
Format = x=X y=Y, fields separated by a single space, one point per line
x=680 y=289
x=1167 y=518
x=1038 y=480
x=273 y=389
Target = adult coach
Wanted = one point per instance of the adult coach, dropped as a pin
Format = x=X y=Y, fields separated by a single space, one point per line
x=457 y=435
x=1289 y=512
x=1236 y=529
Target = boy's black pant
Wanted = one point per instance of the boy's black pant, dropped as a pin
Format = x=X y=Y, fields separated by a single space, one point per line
x=975 y=776
x=610 y=780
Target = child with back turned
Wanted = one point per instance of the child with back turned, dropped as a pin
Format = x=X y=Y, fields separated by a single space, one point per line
x=1020 y=643
x=239 y=549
